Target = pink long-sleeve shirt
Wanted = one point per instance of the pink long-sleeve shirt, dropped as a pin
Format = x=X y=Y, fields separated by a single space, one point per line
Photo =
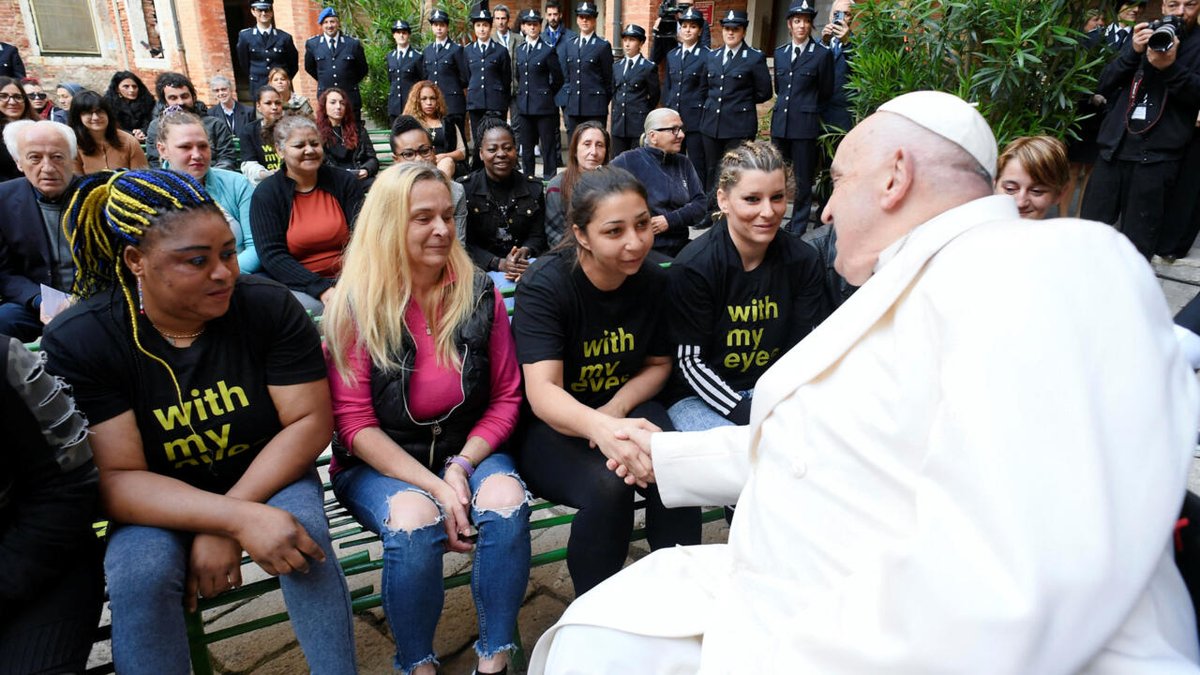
x=433 y=390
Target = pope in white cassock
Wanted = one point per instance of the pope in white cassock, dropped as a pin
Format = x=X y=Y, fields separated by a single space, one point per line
x=973 y=466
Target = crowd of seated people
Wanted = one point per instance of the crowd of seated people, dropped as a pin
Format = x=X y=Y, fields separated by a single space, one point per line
x=170 y=236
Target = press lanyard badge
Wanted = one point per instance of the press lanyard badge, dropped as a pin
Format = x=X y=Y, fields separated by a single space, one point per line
x=1139 y=112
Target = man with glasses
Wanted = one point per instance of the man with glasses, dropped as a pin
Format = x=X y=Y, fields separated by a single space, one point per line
x=263 y=47
x=412 y=142
x=1155 y=97
x=803 y=84
x=674 y=191
x=228 y=109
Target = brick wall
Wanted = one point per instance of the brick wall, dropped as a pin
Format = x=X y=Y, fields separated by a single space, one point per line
x=299 y=17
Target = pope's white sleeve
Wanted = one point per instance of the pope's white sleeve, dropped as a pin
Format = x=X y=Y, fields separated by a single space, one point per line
x=702 y=468
x=1056 y=465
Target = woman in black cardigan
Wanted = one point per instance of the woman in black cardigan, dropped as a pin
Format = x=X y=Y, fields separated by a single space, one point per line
x=347 y=144
x=506 y=211
x=302 y=216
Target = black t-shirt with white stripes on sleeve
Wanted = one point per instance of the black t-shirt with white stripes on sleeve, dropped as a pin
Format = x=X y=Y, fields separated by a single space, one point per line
x=729 y=325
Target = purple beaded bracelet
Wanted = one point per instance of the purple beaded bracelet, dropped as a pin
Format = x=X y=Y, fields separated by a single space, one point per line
x=462 y=463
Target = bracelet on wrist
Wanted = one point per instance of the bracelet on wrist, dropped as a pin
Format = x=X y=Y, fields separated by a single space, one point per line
x=461 y=462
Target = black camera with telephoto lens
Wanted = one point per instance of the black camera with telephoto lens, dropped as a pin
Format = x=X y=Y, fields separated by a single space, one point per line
x=668 y=9
x=1165 y=31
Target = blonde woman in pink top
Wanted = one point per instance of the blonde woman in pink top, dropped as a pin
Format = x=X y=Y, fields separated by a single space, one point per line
x=426 y=391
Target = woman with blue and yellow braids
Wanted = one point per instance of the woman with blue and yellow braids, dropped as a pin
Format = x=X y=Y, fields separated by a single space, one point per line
x=208 y=403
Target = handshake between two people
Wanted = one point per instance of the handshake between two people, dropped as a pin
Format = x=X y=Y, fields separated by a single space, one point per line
x=625 y=442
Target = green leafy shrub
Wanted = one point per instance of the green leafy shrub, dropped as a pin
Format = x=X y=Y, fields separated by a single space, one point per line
x=1021 y=61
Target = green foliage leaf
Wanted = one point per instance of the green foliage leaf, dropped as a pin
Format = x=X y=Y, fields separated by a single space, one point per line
x=1021 y=61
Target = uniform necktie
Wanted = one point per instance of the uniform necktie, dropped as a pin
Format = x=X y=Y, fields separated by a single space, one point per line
x=795 y=54
x=628 y=63
x=728 y=56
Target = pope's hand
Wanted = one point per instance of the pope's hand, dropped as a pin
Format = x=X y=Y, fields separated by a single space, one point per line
x=639 y=436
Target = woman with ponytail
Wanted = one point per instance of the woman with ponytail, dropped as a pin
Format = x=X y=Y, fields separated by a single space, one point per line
x=203 y=430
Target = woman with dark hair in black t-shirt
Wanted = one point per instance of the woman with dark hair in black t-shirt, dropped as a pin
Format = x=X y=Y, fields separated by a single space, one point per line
x=593 y=350
x=742 y=294
x=208 y=404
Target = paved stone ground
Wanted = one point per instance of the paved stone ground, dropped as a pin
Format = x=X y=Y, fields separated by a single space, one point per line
x=274 y=650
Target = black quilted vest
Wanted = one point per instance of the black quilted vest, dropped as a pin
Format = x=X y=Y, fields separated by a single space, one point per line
x=432 y=441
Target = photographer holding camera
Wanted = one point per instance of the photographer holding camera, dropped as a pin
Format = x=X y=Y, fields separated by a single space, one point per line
x=1154 y=87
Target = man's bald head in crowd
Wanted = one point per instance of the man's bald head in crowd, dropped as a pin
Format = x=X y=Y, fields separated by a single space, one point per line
x=901 y=167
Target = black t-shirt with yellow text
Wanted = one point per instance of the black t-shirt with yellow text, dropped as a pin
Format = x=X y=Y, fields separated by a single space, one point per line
x=602 y=337
x=226 y=415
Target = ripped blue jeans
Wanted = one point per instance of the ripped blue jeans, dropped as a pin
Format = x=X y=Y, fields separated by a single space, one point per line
x=412 y=562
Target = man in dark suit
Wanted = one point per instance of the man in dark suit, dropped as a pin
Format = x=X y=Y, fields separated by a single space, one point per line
x=539 y=75
x=587 y=71
x=11 y=64
x=510 y=40
x=228 y=109
x=263 y=47
x=489 y=88
x=635 y=83
x=803 y=83
x=738 y=80
x=687 y=85
x=406 y=67
x=336 y=60
x=33 y=248
x=446 y=66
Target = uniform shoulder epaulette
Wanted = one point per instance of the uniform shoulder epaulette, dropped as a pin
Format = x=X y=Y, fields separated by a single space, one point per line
x=782 y=45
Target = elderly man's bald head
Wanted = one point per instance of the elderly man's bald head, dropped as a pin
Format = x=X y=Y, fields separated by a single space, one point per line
x=890 y=175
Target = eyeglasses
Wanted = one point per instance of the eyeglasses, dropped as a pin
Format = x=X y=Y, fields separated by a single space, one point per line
x=9 y=98
x=423 y=151
x=674 y=131
x=38 y=96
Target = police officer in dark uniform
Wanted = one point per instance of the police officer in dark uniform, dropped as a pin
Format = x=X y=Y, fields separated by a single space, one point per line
x=446 y=66
x=803 y=84
x=687 y=84
x=539 y=75
x=336 y=60
x=587 y=71
x=635 y=82
x=489 y=87
x=11 y=64
x=263 y=47
x=406 y=67
x=738 y=80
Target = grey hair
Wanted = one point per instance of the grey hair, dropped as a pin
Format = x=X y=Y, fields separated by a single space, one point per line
x=654 y=119
x=14 y=131
x=288 y=124
x=217 y=80
x=501 y=8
